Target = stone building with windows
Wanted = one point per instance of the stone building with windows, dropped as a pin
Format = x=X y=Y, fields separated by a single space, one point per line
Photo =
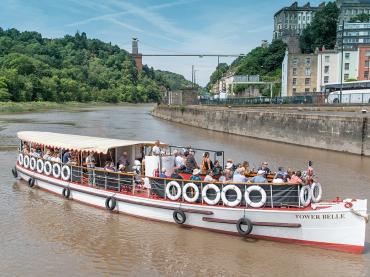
x=351 y=8
x=289 y=23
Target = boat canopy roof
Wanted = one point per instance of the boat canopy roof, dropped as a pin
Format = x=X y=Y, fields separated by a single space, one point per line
x=79 y=143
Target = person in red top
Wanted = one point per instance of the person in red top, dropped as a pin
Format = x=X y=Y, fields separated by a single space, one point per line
x=309 y=178
x=296 y=179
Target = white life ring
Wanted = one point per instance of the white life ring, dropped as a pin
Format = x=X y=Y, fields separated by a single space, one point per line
x=250 y=202
x=66 y=173
x=205 y=197
x=305 y=202
x=20 y=158
x=316 y=197
x=48 y=168
x=238 y=199
x=56 y=170
x=40 y=166
x=185 y=190
x=33 y=163
x=169 y=193
x=26 y=161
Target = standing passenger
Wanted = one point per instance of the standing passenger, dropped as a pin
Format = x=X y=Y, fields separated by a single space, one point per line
x=156 y=150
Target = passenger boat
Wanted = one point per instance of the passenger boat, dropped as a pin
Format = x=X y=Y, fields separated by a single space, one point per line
x=279 y=212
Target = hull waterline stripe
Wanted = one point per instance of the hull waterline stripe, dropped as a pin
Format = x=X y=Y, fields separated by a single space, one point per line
x=269 y=224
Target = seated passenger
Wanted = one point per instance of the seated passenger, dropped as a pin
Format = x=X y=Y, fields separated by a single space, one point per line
x=163 y=173
x=259 y=178
x=282 y=174
x=245 y=164
x=47 y=155
x=56 y=157
x=209 y=177
x=239 y=175
x=222 y=178
x=230 y=165
x=217 y=169
x=278 y=179
x=195 y=176
x=109 y=166
x=179 y=161
x=206 y=163
x=121 y=168
x=228 y=174
x=264 y=168
x=66 y=156
x=296 y=179
x=176 y=175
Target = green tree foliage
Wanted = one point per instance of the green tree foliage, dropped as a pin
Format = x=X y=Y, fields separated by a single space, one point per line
x=74 y=68
x=362 y=17
x=322 y=31
x=171 y=80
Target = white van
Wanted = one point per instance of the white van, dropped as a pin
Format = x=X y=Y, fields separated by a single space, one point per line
x=357 y=96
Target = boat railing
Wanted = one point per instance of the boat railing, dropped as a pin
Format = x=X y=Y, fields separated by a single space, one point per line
x=199 y=192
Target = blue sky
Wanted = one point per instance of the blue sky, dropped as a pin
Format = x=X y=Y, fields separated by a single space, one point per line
x=162 y=26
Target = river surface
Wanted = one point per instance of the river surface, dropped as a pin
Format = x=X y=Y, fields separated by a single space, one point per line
x=45 y=235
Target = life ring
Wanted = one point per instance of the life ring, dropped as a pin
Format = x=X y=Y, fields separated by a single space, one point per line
x=305 y=195
x=258 y=204
x=31 y=182
x=244 y=221
x=40 y=166
x=66 y=173
x=179 y=216
x=238 y=199
x=110 y=203
x=185 y=192
x=48 y=168
x=26 y=161
x=205 y=197
x=20 y=158
x=66 y=193
x=15 y=172
x=316 y=197
x=348 y=205
x=33 y=163
x=169 y=193
x=56 y=170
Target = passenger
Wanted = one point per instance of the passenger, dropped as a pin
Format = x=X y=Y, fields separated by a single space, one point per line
x=228 y=174
x=38 y=152
x=230 y=165
x=191 y=163
x=206 y=163
x=310 y=173
x=56 y=157
x=296 y=179
x=90 y=160
x=108 y=166
x=209 y=177
x=176 y=175
x=179 y=161
x=25 y=149
x=239 y=175
x=245 y=164
x=222 y=178
x=66 y=156
x=32 y=152
x=290 y=173
x=121 y=168
x=47 y=155
x=217 y=169
x=123 y=160
x=265 y=168
x=163 y=173
x=281 y=173
x=195 y=176
x=137 y=171
x=259 y=179
x=156 y=150
x=278 y=179
x=72 y=161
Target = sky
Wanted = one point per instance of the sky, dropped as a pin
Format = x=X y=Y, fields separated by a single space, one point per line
x=162 y=26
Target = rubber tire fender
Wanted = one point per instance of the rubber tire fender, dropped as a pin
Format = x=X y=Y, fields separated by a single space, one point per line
x=244 y=221
x=66 y=193
x=15 y=172
x=31 y=182
x=110 y=203
x=176 y=214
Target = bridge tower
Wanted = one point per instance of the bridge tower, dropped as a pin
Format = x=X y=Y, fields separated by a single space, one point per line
x=135 y=53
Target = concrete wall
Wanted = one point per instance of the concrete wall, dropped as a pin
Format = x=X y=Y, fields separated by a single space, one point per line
x=331 y=132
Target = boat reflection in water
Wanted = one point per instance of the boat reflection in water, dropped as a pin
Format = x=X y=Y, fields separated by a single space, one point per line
x=281 y=212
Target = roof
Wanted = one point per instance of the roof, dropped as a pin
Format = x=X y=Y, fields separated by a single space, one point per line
x=79 y=143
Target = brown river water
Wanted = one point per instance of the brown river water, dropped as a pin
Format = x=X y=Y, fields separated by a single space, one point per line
x=45 y=235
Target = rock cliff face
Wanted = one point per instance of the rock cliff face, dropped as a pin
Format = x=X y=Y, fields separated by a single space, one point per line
x=345 y=133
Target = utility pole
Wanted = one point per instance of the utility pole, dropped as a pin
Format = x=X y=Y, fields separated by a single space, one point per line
x=192 y=75
x=341 y=68
x=218 y=74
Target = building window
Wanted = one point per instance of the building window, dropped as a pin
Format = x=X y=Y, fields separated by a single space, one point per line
x=366 y=75
x=294 y=81
x=307 y=90
x=307 y=72
x=347 y=55
x=326 y=79
x=307 y=81
x=294 y=90
x=294 y=71
x=367 y=63
x=346 y=77
x=326 y=69
x=308 y=61
x=327 y=59
x=295 y=61
x=346 y=66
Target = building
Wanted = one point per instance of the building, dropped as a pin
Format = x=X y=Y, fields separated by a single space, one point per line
x=363 y=64
x=136 y=55
x=354 y=34
x=185 y=96
x=289 y=23
x=299 y=74
x=351 y=8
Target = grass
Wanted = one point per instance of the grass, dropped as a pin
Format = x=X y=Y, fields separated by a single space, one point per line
x=22 y=107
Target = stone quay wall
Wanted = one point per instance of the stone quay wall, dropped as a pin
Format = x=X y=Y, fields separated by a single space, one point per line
x=345 y=132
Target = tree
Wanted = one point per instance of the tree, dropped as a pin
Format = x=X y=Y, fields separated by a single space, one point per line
x=322 y=31
x=362 y=17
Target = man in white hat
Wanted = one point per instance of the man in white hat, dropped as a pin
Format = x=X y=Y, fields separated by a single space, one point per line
x=195 y=176
x=259 y=179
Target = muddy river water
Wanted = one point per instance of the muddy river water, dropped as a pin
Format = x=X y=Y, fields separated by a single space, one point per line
x=42 y=234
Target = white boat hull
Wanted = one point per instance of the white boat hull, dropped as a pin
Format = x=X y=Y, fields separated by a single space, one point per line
x=330 y=225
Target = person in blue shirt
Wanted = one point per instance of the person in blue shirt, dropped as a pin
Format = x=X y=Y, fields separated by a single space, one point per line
x=66 y=157
x=163 y=173
x=259 y=178
x=195 y=176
